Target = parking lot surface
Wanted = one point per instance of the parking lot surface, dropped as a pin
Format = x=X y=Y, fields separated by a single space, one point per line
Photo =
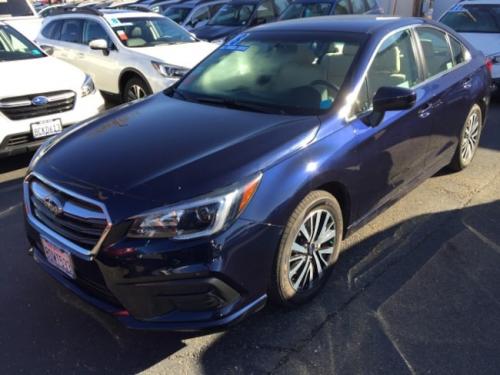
x=415 y=291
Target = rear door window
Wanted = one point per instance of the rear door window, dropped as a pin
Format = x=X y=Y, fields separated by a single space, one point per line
x=436 y=50
x=200 y=17
x=52 y=30
x=71 y=31
x=266 y=11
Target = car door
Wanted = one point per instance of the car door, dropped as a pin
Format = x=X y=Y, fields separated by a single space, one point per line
x=392 y=154
x=70 y=42
x=451 y=80
x=102 y=66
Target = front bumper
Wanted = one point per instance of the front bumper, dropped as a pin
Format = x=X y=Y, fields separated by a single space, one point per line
x=167 y=285
x=16 y=137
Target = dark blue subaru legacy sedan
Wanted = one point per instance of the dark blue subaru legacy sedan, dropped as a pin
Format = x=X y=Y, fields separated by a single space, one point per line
x=190 y=209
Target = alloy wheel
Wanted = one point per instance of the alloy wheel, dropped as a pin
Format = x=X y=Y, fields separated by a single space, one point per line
x=135 y=92
x=312 y=249
x=470 y=138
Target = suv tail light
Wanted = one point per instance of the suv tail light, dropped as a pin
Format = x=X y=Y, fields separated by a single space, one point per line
x=489 y=65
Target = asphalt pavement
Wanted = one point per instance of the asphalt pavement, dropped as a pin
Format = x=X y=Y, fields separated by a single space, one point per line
x=415 y=291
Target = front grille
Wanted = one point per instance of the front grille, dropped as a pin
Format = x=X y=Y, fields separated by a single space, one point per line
x=21 y=107
x=76 y=220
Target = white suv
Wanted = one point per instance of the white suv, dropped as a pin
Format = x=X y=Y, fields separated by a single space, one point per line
x=128 y=53
x=39 y=95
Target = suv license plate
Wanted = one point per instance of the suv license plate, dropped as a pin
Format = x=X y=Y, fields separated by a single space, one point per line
x=59 y=258
x=46 y=128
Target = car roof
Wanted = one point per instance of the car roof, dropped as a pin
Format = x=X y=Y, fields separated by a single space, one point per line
x=360 y=24
x=312 y=1
x=192 y=3
x=245 y=2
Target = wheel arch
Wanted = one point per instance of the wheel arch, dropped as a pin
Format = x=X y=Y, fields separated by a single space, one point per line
x=128 y=74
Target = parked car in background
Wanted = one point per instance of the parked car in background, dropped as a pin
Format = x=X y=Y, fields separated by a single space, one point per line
x=39 y=95
x=53 y=9
x=21 y=15
x=237 y=16
x=194 y=13
x=127 y=53
x=162 y=6
x=315 y=8
x=238 y=184
x=479 y=23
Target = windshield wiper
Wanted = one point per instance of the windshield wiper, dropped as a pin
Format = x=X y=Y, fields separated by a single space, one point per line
x=236 y=104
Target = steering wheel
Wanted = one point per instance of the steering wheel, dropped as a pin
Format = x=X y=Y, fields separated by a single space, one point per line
x=330 y=86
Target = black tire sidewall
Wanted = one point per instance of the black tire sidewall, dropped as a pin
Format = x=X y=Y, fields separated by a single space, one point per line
x=282 y=291
x=135 y=81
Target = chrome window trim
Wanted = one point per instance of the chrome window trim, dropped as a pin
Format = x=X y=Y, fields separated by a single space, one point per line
x=413 y=29
x=59 y=240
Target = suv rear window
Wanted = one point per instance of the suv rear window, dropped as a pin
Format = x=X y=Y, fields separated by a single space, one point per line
x=473 y=18
x=15 y=8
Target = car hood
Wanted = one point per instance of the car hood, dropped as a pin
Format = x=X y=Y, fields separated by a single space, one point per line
x=167 y=150
x=185 y=55
x=213 y=32
x=40 y=75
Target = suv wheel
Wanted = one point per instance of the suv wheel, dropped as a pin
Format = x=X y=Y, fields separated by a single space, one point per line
x=469 y=139
x=135 y=88
x=309 y=247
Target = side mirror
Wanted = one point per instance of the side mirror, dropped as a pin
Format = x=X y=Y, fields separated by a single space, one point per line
x=99 y=44
x=390 y=99
x=47 y=49
x=393 y=99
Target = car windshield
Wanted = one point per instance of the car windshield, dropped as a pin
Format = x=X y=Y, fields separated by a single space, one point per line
x=298 y=10
x=14 y=46
x=14 y=8
x=233 y=15
x=474 y=18
x=177 y=14
x=292 y=73
x=148 y=32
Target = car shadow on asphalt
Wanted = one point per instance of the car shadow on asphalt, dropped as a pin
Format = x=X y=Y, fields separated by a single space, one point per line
x=354 y=325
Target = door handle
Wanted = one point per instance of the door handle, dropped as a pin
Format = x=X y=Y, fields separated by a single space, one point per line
x=425 y=111
x=467 y=83
x=80 y=55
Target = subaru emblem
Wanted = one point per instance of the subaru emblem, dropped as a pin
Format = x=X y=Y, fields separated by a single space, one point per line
x=39 y=100
x=53 y=205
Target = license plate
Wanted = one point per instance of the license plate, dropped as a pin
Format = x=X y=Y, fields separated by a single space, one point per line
x=46 y=128
x=59 y=258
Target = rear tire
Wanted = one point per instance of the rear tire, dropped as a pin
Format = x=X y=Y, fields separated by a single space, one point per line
x=135 y=88
x=309 y=247
x=469 y=140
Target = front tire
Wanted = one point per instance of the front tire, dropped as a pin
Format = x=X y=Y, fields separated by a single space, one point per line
x=469 y=140
x=309 y=247
x=135 y=88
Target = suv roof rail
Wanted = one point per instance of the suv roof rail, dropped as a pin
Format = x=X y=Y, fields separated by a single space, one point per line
x=131 y=7
x=80 y=10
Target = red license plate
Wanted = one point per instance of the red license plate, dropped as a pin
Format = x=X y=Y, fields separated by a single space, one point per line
x=59 y=258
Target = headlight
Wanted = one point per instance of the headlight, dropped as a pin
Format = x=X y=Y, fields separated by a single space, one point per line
x=170 y=71
x=199 y=217
x=88 y=86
